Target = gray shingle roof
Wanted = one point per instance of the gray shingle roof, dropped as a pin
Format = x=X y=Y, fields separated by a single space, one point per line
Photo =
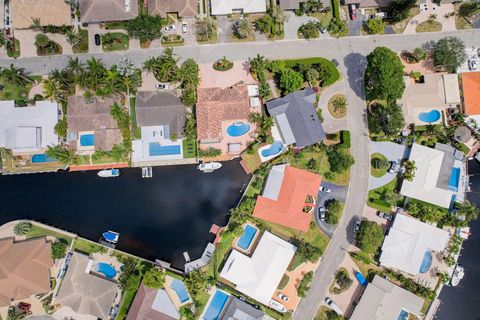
x=107 y=10
x=290 y=4
x=239 y=310
x=296 y=116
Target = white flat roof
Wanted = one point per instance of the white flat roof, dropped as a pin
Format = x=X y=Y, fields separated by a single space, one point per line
x=224 y=7
x=259 y=275
x=152 y=134
x=428 y=162
x=28 y=129
x=407 y=241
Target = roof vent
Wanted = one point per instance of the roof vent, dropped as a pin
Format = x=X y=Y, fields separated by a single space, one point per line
x=127 y=5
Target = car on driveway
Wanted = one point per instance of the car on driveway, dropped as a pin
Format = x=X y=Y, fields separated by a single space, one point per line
x=356 y=227
x=384 y=215
x=333 y=306
x=282 y=296
x=169 y=28
x=353 y=12
x=393 y=167
x=325 y=189
x=184 y=27
x=162 y=86
x=472 y=64
x=322 y=213
x=97 y=39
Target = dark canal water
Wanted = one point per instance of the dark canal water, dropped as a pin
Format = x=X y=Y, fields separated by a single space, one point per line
x=160 y=217
x=463 y=302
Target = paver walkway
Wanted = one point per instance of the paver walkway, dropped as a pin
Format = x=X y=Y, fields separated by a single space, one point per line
x=331 y=124
x=393 y=152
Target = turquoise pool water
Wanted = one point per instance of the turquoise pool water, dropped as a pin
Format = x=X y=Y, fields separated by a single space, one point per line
x=454 y=179
x=427 y=262
x=155 y=149
x=216 y=305
x=238 y=129
x=274 y=149
x=403 y=315
x=106 y=269
x=246 y=239
x=430 y=116
x=87 y=140
x=41 y=157
x=179 y=288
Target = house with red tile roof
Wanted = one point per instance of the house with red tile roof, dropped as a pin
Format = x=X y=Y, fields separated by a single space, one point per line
x=285 y=198
x=471 y=95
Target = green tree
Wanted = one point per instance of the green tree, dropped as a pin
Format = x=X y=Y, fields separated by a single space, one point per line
x=339 y=160
x=369 y=237
x=334 y=211
x=290 y=81
x=59 y=249
x=258 y=64
x=468 y=210
x=468 y=10
x=196 y=283
x=154 y=278
x=189 y=96
x=63 y=155
x=309 y=30
x=419 y=54
x=374 y=26
x=189 y=73
x=22 y=228
x=339 y=104
x=311 y=6
x=145 y=27
x=61 y=128
x=449 y=53
x=384 y=75
x=41 y=40
x=307 y=251
x=385 y=117
x=264 y=90
x=312 y=75
x=410 y=170
x=243 y=28
x=130 y=277
x=165 y=67
x=16 y=76
x=398 y=10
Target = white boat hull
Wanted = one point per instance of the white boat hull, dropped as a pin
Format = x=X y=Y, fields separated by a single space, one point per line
x=109 y=173
x=209 y=166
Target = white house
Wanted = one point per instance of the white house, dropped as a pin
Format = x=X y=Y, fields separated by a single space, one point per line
x=27 y=130
x=409 y=242
x=222 y=7
x=258 y=276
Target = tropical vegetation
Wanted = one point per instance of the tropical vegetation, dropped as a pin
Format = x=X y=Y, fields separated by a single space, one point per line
x=369 y=237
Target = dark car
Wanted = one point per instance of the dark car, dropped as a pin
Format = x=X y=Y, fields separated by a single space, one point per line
x=384 y=215
x=97 y=39
x=353 y=12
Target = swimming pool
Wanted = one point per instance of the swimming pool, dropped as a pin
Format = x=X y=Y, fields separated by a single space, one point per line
x=87 y=140
x=403 y=315
x=216 y=305
x=454 y=179
x=106 y=269
x=427 y=262
x=238 y=129
x=274 y=149
x=155 y=149
x=179 y=288
x=42 y=157
x=247 y=237
x=429 y=117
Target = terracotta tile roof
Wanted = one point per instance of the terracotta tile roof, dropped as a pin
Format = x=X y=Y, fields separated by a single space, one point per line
x=184 y=8
x=287 y=209
x=471 y=92
x=107 y=10
x=50 y=12
x=215 y=105
x=24 y=269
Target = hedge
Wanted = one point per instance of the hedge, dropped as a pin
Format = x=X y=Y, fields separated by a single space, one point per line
x=335 y=75
x=336 y=9
x=344 y=139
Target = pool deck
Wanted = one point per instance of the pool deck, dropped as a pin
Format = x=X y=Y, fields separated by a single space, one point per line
x=226 y=140
x=172 y=294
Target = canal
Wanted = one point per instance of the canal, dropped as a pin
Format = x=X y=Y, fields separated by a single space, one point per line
x=158 y=217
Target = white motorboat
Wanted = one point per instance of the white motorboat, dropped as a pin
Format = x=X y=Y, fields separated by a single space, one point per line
x=209 y=166
x=477 y=156
x=457 y=275
x=275 y=305
x=109 y=173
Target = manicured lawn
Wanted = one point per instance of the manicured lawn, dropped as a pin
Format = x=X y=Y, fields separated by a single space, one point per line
x=52 y=48
x=251 y=158
x=14 y=53
x=119 y=41
x=104 y=159
x=340 y=112
x=38 y=231
x=87 y=246
x=324 y=18
x=116 y=25
x=82 y=47
x=189 y=148
x=126 y=303
x=379 y=172
x=137 y=134
x=376 y=197
x=429 y=26
x=13 y=92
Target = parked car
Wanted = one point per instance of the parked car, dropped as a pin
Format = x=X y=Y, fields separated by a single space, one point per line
x=393 y=167
x=384 y=215
x=472 y=64
x=321 y=213
x=333 y=306
x=478 y=52
x=323 y=30
x=162 y=86
x=184 y=27
x=356 y=227
x=353 y=12
x=169 y=28
x=282 y=296
x=97 y=39
x=325 y=189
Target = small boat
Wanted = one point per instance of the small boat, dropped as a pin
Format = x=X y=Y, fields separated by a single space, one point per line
x=457 y=275
x=361 y=279
x=111 y=236
x=275 y=305
x=209 y=166
x=477 y=156
x=109 y=173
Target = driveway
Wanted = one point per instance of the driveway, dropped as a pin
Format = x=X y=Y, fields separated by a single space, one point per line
x=338 y=193
x=331 y=124
x=294 y=22
x=393 y=152
x=224 y=29
x=426 y=10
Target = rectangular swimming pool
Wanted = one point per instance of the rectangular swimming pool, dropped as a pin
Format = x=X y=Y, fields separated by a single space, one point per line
x=42 y=157
x=179 y=288
x=216 y=305
x=454 y=179
x=246 y=239
x=155 y=149
x=87 y=140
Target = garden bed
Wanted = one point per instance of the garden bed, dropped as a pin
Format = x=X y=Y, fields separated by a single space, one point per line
x=172 y=40
x=336 y=108
x=115 y=41
x=379 y=165
x=52 y=48
x=429 y=26
x=82 y=46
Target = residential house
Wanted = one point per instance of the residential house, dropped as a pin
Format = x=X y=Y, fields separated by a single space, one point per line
x=432 y=96
x=222 y=7
x=83 y=294
x=24 y=269
x=236 y=309
x=182 y=8
x=439 y=177
x=290 y=4
x=28 y=130
x=91 y=127
x=368 y=4
x=258 y=275
x=161 y=118
x=471 y=98
x=289 y=197
x=47 y=12
x=222 y=117
x=410 y=245
x=152 y=304
x=296 y=118
x=99 y=11
x=383 y=300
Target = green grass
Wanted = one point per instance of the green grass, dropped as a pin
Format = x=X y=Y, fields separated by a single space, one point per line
x=283 y=283
x=82 y=46
x=429 y=26
x=53 y=48
x=87 y=246
x=126 y=303
x=375 y=196
x=13 y=92
x=377 y=173
x=115 y=25
x=120 y=42
x=189 y=148
x=324 y=18
x=14 y=53
x=137 y=133
x=38 y=231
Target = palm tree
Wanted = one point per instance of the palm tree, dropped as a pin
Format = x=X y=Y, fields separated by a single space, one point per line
x=188 y=73
x=339 y=103
x=278 y=15
x=311 y=76
x=467 y=209
x=51 y=89
x=63 y=155
x=74 y=65
x=16 y=76
x=258 y=64
x=243 y=28
x=36 y=24
x=73 y=37
x=22 y=228
x=41 y=40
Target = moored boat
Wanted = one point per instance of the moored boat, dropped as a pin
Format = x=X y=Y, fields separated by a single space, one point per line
x=109 y=173
x=457 y=275
x=209 y=166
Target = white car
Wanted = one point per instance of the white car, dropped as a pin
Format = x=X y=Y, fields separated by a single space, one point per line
x=325 y=189
x=169 y=28
x=333 y=306
x=472 y=64
x=162 y=86
x=282 y=296
x=184 y=27
x=356 y=227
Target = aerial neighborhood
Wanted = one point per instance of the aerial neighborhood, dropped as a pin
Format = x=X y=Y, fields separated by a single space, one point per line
x=239 y=159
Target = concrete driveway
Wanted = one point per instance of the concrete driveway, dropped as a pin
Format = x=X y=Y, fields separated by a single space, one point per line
x=426 y=10
x=393 y=152
x=331 y=124
x=224 y=29
x=338 y=193
x=294 y=22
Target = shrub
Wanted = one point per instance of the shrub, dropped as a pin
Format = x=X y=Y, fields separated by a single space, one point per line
x=334 y=211
x=209 y=153
x=339 y=160
x=58 y=250
x=61 y=128
x=369 y=237
x=304 y=285
x=344 y=139
x=154 y=278
x=290 y=81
